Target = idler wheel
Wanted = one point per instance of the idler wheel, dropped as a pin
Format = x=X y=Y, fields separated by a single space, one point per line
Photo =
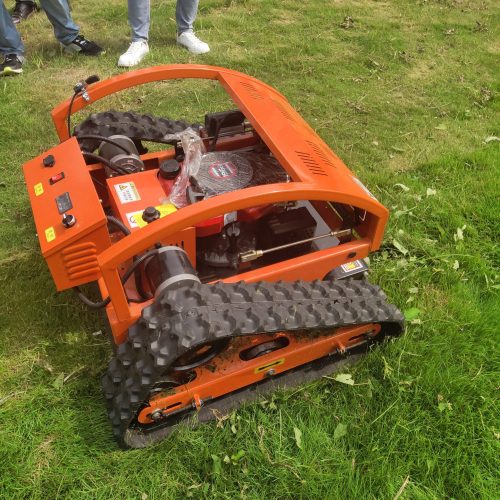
x=264 y=348
x=199 y=355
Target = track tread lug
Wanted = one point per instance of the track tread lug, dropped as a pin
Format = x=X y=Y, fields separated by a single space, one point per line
x=185 y=318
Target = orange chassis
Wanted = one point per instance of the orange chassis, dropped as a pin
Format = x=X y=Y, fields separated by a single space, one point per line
x=87 y=253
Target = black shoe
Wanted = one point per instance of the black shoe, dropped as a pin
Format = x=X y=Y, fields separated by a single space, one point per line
x=23 y=10
x=12 y=65
x=80 y=45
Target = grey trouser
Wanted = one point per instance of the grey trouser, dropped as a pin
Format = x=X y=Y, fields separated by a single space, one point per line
x=139 y=18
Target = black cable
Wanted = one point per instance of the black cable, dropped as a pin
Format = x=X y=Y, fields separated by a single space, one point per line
x=68 y=117
x=119 y=224
x=124 y=279
x=104 y=139
x=98 y=182
x=138 y=262
x=114 y=168
x=138 y=278
x=88 y=302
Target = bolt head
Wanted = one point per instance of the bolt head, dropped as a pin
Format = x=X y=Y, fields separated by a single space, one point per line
x=156 y=415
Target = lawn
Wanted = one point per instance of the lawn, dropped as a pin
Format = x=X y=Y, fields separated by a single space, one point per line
x=406 y=93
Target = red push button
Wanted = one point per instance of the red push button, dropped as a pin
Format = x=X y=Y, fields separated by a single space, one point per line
x=56 y=178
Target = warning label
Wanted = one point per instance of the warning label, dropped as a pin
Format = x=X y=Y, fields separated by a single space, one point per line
x=38 y=189
x=127 y=192
x=223 y=170
x=352 y=266
x=50 y=234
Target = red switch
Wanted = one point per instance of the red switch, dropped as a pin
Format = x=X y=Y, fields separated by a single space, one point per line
x=56 y=178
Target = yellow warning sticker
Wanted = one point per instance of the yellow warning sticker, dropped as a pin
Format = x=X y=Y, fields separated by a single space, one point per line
x=38 y=189
x=50 y=234
x=270 y=365
x=136 y=219
x=127 y=192
x=352 y=266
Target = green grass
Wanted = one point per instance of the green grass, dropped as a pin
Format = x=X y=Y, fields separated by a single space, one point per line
x=407 y=97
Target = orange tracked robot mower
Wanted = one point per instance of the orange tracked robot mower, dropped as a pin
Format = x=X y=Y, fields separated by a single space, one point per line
x=229 y=263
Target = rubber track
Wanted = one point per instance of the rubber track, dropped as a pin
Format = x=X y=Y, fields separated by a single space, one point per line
x=133 y=125
x=188 y=317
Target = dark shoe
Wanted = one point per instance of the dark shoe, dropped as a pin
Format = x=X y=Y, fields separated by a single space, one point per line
x=23 y=10
x=80 y=45
x=12 y=65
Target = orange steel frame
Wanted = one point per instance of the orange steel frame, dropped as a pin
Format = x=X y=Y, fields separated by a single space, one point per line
x=233 y=373
x=318 y=175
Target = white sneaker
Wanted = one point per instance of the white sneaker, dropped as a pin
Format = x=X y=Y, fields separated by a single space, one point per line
x=191 y=42
x=134 y=54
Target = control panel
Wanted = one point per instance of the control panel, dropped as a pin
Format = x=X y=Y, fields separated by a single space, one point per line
x=70 y=221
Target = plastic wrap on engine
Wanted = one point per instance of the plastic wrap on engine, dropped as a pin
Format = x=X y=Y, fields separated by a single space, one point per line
x=226 y=171
x=193 y=151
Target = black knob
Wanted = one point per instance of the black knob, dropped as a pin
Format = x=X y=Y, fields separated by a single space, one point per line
x=150 y=214
x=49 y=161
x=169 y=169
x=92 y=79
x=68 y=220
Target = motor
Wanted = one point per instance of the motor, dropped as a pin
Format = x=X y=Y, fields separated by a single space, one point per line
x=121 y=151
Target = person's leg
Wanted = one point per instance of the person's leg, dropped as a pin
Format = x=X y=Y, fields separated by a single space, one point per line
x=58 y=12
x=185 y=14
x=139 y=19
x=10 y=40
x=11 y=45
x=67 y=32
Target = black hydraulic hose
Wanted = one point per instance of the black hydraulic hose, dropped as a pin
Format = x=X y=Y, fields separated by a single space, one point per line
x=104 y=139
x=114 y=168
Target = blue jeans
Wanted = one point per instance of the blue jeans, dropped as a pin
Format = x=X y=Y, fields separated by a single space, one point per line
x=58 y=12
x=10 y=41
x=139 y=18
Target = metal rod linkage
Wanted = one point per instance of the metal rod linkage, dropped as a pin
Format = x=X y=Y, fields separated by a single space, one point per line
x=256 y=254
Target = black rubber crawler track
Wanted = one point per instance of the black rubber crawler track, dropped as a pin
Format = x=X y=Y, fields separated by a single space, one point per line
x=188 y=317
x=133 y=125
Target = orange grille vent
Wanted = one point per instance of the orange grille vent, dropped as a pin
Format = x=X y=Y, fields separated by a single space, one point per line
x=254 y=93
x=311 y=164
x=81 y=260
x=321 y=154
x=284 y=111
